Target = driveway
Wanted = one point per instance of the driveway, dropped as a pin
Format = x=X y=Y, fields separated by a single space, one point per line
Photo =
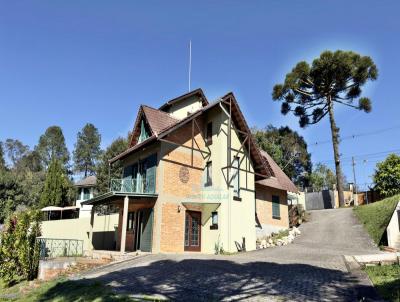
x=312 y=268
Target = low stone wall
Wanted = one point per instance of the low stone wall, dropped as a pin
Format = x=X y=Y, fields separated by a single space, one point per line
x=49 y=269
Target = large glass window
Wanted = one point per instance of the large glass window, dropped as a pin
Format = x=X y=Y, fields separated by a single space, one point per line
x=79 y=196
x=86 y=193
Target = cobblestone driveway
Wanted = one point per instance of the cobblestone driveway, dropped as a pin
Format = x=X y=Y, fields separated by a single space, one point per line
x=310 y=269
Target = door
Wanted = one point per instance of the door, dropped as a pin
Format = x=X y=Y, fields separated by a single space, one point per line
x=193 y=231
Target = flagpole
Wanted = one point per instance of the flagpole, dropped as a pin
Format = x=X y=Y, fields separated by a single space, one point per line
x=190 y=62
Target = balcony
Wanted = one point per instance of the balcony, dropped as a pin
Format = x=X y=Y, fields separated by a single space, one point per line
x=133 y=185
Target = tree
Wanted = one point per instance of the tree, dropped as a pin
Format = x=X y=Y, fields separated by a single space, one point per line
x=31 y=162
x=52 y=145
x=387 y=176
x=104 y=170
x=2 y=161
x=15 y=150
x=335 y=78
x=11 y=194
x=56 y=186
x=87 y=150
x=288 y=149
x=322 y=178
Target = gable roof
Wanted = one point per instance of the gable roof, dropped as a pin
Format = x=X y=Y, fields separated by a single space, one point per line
x=156 y=121
x=161 y=124
x=279 y=179
x=198 y=92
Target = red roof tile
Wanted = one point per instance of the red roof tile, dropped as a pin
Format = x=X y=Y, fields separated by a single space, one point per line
x=279 y=180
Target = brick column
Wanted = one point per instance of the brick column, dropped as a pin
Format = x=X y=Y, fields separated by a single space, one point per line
x=124 y=224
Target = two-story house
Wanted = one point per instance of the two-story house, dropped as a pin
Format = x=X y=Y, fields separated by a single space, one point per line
x=190 y=179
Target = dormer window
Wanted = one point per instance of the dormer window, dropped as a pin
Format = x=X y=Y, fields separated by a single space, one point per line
x=144 y=134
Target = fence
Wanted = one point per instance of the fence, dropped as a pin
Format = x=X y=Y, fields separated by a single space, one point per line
x=52 y=248
x=320 y=200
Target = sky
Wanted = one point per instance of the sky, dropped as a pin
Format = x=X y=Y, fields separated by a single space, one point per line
x=69 y=63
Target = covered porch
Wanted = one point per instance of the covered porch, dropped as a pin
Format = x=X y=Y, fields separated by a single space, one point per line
x=135 y=223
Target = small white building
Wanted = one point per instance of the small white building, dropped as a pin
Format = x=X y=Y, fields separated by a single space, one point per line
x=86 y=190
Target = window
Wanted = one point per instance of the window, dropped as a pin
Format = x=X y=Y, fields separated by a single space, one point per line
x=143 y=133
x=86 y=193
x=79 y=197
x=208 y=174
x=209 y=134
x=276 y=211
x=131 y=219
x=214 y=221
x=236 y=178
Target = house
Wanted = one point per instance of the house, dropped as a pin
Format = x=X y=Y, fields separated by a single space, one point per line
x=63 y=225
x=190 y=180
x=272 y=199
x=86 y=188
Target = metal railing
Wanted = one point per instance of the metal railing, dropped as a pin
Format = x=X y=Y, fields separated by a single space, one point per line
x=52 y=248
x=133 y=185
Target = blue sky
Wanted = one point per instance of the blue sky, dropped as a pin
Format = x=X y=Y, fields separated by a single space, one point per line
x=67 y=63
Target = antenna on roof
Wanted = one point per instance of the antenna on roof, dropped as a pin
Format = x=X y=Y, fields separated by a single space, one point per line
x=190 y=61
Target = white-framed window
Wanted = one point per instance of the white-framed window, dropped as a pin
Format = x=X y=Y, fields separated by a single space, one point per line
x=208 y=174
x=236 y=177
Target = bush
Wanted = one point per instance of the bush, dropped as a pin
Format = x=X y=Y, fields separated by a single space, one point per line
x=19 y=250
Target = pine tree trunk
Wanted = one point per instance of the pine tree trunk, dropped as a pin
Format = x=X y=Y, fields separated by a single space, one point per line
x=335 y=142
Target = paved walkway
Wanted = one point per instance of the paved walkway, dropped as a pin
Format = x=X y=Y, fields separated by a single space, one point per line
x=310 y=269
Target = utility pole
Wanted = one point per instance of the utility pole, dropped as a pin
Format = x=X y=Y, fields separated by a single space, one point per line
x=355 y=181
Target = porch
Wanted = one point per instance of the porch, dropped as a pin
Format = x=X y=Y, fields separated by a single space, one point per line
x=135 y=202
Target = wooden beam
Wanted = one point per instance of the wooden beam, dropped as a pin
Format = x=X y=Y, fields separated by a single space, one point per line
x=183 y=146
x=192 y=140
x=243 y=170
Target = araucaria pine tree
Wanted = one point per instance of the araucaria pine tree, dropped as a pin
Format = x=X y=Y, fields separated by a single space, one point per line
x=55 y=191
x=312 y=91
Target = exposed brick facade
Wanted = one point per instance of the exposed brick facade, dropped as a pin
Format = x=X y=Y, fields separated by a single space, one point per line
x=172 y=228
x=264 y=206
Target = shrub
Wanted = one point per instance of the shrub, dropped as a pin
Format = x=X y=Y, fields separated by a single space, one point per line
x=19 y=250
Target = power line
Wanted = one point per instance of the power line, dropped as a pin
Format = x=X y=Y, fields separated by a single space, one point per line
x=363 y=156
x=353 y=136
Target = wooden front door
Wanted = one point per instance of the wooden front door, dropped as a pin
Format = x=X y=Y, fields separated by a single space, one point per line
x=193 y=231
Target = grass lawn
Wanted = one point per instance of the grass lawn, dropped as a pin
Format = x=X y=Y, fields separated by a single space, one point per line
x=386 y=279
x=376 y=216
x=63 y=290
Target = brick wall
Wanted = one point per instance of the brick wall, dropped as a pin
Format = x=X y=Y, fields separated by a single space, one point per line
x=264 y=206
x=172 y=228
x=182 y=181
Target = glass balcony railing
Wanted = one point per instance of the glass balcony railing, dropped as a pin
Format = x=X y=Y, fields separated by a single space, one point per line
x=133 y=185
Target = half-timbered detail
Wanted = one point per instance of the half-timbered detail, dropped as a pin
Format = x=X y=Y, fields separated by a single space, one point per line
x=193 y=180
